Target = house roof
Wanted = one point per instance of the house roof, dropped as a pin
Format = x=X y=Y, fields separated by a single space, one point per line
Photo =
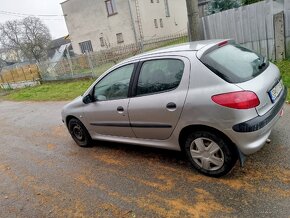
x=56 y=43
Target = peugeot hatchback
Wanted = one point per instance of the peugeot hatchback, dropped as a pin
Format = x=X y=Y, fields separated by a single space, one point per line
x=215 y=100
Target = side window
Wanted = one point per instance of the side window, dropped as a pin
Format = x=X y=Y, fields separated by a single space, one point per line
x=159 y=76
x=115 y=85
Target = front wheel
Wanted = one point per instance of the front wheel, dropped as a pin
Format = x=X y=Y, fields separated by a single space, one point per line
x=79 y=133
x=210 y=154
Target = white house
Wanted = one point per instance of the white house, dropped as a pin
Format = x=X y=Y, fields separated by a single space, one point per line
x=98 y=24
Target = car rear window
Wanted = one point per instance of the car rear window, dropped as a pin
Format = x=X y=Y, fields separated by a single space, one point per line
x=234 y=63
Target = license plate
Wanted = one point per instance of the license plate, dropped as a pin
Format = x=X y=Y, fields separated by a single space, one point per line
x=275 y=92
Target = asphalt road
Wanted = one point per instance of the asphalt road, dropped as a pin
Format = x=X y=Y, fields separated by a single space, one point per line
x=43 y=173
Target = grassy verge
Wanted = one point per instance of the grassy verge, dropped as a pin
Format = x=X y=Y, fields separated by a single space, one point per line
x=58 y=91
x=53 y=91
x=284 y=67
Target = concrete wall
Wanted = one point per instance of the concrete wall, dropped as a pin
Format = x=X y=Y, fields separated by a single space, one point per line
x=287 y=26
x=89 y=20
x=175 y=23
x=251 y=26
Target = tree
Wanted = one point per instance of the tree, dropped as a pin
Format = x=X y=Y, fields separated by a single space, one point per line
x=248 y=2
x=28 y=38
x=221 y=5
x=10 y=36
x=193 y=19
x=36 y=38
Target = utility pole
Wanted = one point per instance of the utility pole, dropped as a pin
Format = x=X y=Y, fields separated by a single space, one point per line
x=193 y=19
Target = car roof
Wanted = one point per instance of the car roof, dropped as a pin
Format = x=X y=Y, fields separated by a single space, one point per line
x=189 y=46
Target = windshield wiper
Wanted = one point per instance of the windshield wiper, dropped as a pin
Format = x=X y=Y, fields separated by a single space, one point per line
x=264 y=63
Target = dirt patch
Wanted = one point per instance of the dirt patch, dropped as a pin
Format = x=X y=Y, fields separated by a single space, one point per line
x=85 y=180
x=51 y=146
x=60 y=130
x=110 y=159
x=205 y=205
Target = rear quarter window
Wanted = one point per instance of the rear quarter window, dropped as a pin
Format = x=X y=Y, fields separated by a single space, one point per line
x=234 y=63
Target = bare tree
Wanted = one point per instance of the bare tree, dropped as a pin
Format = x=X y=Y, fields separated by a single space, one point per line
x=10 y=36
x=28 y=38
x=36 y=38
x=193 y=19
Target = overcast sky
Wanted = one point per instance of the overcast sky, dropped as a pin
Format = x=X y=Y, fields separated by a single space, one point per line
x=56 y=24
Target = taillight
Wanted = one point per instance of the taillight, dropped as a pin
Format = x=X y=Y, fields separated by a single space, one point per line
x=221 y=44
x=237 y=100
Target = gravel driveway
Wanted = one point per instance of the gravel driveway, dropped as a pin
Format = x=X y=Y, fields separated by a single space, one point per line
x=44 y=174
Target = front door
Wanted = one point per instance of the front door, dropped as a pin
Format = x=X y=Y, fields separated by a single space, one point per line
x=159 y=97
x=108 y=114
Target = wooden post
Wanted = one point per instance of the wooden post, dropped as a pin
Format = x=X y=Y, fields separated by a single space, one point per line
x=24 y=73
x=11 y=72
x=193 y=19
x=31 y=72
x=38 y=71
x=2 y=79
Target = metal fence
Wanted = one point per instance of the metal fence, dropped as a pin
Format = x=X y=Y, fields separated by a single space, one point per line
x=81 y=66
x=94 y=64
x=252 y=26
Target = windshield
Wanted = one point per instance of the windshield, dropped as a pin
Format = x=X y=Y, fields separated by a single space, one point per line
x=234 y=63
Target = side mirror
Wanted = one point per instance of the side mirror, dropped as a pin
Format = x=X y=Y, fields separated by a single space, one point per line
x=88 y=99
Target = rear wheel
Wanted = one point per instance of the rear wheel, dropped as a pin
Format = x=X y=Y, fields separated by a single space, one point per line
x=210 y=154
x=79 y=133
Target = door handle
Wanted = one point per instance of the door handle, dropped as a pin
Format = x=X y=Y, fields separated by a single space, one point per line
x=171 y=106
x=120 y=109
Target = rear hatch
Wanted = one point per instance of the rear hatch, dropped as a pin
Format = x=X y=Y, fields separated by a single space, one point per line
x=247 y=70
x=268 y=86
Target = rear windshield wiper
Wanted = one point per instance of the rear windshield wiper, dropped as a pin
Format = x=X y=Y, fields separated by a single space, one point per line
x=264 y=63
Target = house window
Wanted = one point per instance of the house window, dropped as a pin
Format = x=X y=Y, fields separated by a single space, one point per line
x=155 y=23
x=167 y=12
x=161 y=23
x=111 y=7
x=120 y=38
x=152 y=1
x=102 y=41
x=86 y=46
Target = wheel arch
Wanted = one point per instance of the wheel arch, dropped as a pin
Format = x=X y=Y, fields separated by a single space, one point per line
x=68 y=118
x=192 y=128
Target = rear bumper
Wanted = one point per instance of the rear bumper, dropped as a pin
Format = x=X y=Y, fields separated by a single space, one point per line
x=260 y=122
x=251 y=136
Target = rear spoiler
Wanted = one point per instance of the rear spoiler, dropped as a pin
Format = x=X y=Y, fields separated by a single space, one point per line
x=209 y=48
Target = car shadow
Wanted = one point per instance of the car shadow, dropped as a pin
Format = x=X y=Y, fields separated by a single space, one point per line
x=143 y=152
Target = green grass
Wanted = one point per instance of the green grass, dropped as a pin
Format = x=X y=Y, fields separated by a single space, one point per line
x=284 y=67
x=53 y=91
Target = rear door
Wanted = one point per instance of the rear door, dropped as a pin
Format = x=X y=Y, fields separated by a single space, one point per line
x=158 y=98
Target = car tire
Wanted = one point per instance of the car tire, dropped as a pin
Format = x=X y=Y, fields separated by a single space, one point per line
x=210 y=154
x=79 y=133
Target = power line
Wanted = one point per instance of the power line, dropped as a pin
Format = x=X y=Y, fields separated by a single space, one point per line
x=36 y=15
x=23 y=16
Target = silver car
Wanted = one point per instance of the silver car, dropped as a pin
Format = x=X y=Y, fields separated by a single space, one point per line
x=215 y=100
